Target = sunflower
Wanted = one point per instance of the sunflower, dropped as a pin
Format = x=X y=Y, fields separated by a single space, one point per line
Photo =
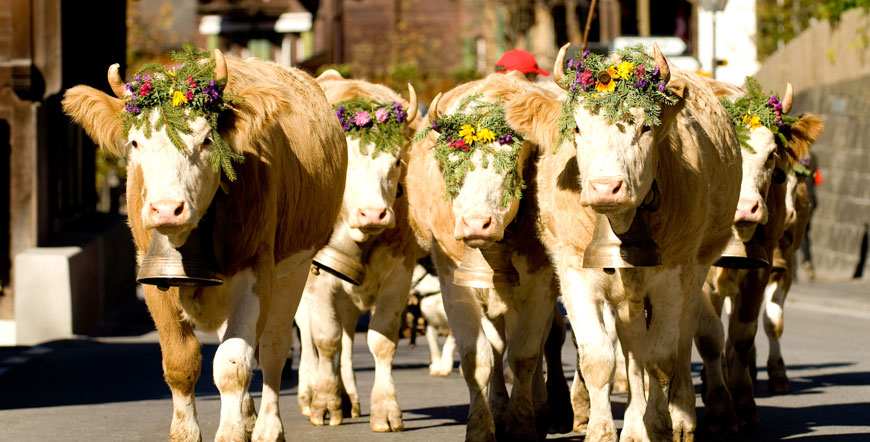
x=605 y=87
x=613 y=72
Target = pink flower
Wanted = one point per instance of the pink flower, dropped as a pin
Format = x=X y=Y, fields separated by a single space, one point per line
x=459 y=144
x=189 y=95
x=382 y=114
x=641 y=71
x=362 y=118
x=191 y=82
x=145 y=89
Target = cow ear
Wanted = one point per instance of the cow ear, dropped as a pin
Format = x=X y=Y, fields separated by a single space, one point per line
x=804 y=133
x=261 y=106
x=679 y=87
x=535 y=117
x=329 y=74
x=97 y=112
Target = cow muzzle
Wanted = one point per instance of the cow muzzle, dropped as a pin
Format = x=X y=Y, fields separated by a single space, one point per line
x=606 y=195
x=167 y=215
x=478 y=232
x=374 y=220
x=749 y=214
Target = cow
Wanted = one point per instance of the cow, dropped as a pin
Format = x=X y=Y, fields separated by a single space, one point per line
x=486 y=320
x=608 y=169
x=268 y=223
x=428 y=292
x=374 y=215
x=766 y=161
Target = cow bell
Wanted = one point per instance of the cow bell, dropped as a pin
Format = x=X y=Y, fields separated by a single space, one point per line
x=342 y=258
x=778 y=262
x=634 y=248
x=745 y=255
x=489 y=268
x=191 y=265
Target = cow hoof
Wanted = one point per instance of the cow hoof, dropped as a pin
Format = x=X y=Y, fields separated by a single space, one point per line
x=387 y=419
x=683 y=436
x=178 y=434
x=304 y=401
x=600 y=431
x=579 y=427
x=520 y=431
x=230 y=433
x=778 y=382
x=268 y=429
x=354 y=409
x=720 y=411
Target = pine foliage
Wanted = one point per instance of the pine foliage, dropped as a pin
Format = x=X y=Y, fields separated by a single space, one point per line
x=756 y=104
x=380 y=124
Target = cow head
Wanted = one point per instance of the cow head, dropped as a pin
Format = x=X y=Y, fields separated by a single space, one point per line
x=178 y=184
x=617 y=160
x=484 y=206
x=373 y=178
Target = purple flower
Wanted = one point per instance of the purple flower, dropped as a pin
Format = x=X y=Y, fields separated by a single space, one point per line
x=129 y=86
x=507 y=139
x=137 y=78
x=585 y=53
x=570 y=64
x=362 y=118
x=399 y=111
x=382 y=114
x=661 y=87
x=656 y=72
x=345 y=126
x=641 y=82
x=434 y=125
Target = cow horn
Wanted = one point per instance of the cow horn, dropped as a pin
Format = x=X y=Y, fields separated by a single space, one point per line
x=662 y=63
x=412 y=99
x=788 y=99
x=116 y=82
x=220 y=68
x=559 y=66
x=433 y=108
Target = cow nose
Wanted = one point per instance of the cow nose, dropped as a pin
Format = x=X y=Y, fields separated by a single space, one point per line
x=606 y=191
x=748 y=211
x=477 y=226
x=373 y=218
x=167 y=212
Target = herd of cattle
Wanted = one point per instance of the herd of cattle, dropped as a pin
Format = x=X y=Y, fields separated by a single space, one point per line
x=306 y=181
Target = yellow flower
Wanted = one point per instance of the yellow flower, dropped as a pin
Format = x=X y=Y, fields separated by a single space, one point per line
x=466 y=132
x=485 y=135
x=753 y=121
x=625 y=69
x=178 y=98
x=605 y=87
x=170 y=72
x=614 y=73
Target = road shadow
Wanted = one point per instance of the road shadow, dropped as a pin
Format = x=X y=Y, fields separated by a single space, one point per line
x=785 y=423
x=453 y=414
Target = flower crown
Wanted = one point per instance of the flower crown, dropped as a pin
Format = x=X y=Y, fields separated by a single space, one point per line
x=181 y=95
x=754 y=109
x=461 y=134
x=370 y=122
x=614 y=88
x=802 y=168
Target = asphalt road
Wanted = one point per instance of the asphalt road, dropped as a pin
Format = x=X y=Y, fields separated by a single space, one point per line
x=111 y=388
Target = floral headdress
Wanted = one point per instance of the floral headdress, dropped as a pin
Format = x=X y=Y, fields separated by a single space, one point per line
x=181 y=95
x=463 y=133
x=754 y=109
x=802 y=168
x=614 y=88
x=377 y=123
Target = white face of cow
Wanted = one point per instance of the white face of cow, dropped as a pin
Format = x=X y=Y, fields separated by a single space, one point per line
x=372 y=185
x=617 y=164
x=178 y=185
x=758 y=170
x=481 y=218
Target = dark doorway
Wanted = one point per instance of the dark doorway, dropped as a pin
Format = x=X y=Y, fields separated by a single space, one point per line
x=5 y=259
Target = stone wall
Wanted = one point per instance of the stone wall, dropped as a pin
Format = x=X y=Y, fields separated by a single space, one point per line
x=843 y=152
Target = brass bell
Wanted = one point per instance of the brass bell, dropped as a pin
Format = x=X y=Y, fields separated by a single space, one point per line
x=342 y=258
x=191 y=265
x=634 y=248
x=489 y=268
x=779 y=262
x=745 y=255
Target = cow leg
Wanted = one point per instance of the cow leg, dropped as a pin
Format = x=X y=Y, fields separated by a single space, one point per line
x=475 y=352
x=558 y=395
x=631 y=330
x=307 y=357
x=494 y=329
x=774 y=299
x=434 y=351
x=579 y=393
x=182 y=360
x=447 y=354
x=383 y=337
x=524 y=355
x=349 y=315
x=326 y=332
x=249 y=292
x=682 y=392
x=581 y=292
x=275 y=342
x=742 y=326
x=710 y=341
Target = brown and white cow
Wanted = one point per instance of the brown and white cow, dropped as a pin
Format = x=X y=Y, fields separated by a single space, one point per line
x=374 y=215
x=485 y=321
x=268 y=225
x=694 y=158
x=762 y=205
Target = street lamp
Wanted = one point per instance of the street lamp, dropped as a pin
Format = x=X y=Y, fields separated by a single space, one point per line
x=713 y=6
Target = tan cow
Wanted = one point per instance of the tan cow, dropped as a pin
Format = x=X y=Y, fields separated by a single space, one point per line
x=609 y=169
x=374 y=215
x=484 y=321
x=268 y=224
x=762 y=202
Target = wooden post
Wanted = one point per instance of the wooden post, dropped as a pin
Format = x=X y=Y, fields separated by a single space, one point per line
x=588 y=25
x=643 y=24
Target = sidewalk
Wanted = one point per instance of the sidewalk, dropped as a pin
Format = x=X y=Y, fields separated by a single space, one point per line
x=852 y=295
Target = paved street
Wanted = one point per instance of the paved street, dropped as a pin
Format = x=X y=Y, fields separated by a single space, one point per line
x=111 y=388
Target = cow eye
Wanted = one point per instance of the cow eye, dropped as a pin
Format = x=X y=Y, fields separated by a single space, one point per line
x=398 y=161
x=206 y=142
x=645 y=128
x=134 y=144
x=576 y=130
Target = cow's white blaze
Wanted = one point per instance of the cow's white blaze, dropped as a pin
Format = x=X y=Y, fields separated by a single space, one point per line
x=758 y=166
x=372 y=183
x=615 y=152
x=481 y=196
x=170 y=174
